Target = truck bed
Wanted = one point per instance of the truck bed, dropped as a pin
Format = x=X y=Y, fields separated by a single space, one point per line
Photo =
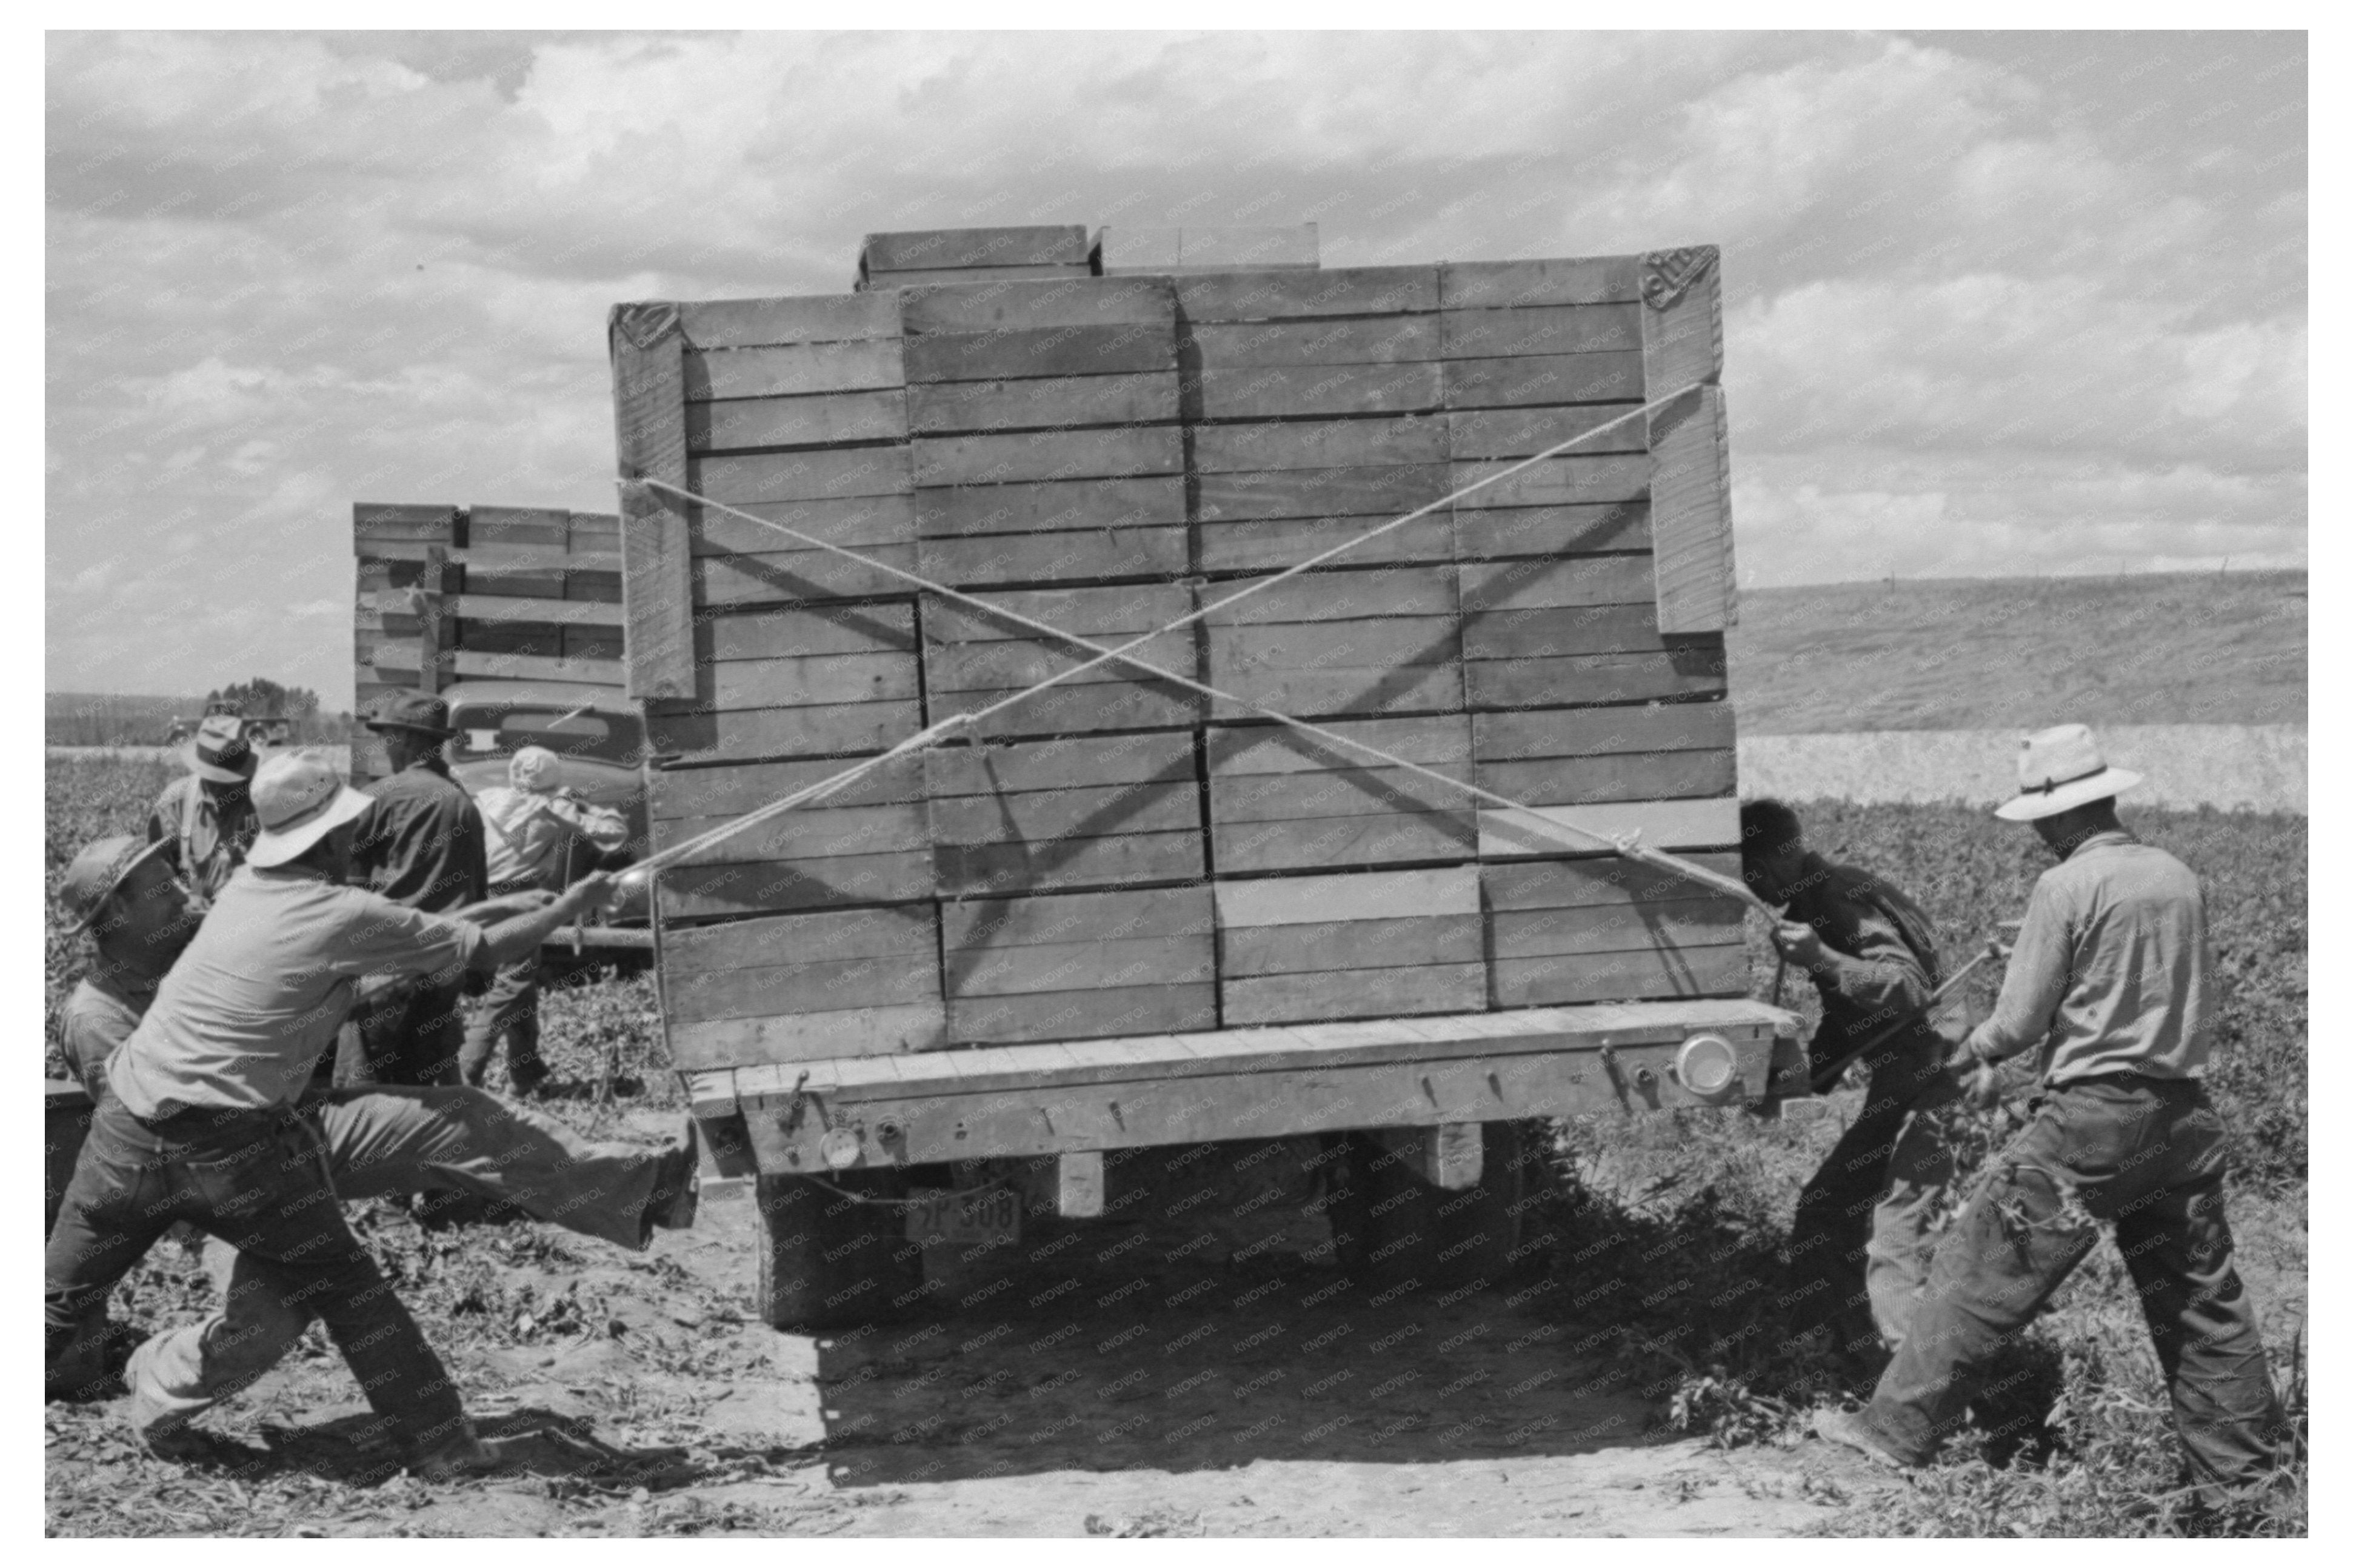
x=1049 y=1099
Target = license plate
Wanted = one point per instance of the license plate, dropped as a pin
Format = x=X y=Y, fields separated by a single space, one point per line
x=973 y=1219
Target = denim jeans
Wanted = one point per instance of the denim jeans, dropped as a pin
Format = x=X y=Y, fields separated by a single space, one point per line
x=255 y=1180
x=390 y=1142
x=510 y=1007
x=2146 y=1155
x=1859 y=1244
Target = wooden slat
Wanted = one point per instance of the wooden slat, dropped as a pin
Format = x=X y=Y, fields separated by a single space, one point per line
x=856 y=522
x=1372 y=340
x=1042 y=403
x=1656 y=972
x=705 y=735
x=1543 y=379
x=838 y=962
x=1558 y=481
x=1575 y=580
x=1501 y=533
x=751 y=888
x=1044 y=352
x=1538 y=631
x=1353 y=994
x=933 y=277
x=1607 y=883
x=816 y=475
x=1082 y=1015
x=383 y=523
x=1400 y=592
x=1316 y=947
x=1377 y=492
x=806 y=319
x=516 y=558
x=1662 y=824
x=809 y=680
x=1037 y=456
x=1692 y=922
x=467 y=664
x=808 y=1036
x=1097 y=811
x=1372 y=895
x=798 y=576
x=797 y=370
x=1542 y=330
x=1293 y=392
x=1628 y=775
x=649 y=432
x=1101 y=964
x=971 y=659
x=807 y=633
x=537 y=611
x=1263 y=543
x=1588 y=281
x=1033 y=245
x=827 y=419
x=1549 y=682
x=1318 y=444
x=1017 y=306
x=1287 y=295
x=1049 y=506
x=1085 y=556
x=1691 y=512
x=1524 y=432
x=1601 y=732
x=677 y=794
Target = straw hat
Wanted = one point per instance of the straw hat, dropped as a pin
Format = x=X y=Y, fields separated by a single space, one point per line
x=2060 y=769
x=300 y=800
x=98 y=872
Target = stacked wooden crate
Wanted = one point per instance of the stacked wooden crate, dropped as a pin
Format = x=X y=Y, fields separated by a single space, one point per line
x=449 y=594
x=912 y=259
x=1118 y=855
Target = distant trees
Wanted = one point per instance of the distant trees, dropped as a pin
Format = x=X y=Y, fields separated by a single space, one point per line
x=262 y=698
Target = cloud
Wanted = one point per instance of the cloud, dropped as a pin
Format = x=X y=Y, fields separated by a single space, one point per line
x=1972 y=323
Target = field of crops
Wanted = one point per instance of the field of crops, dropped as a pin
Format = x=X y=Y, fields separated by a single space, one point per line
x=1678 y=1214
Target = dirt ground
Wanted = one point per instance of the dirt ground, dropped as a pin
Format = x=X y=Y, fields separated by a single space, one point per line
x=1178 y=1379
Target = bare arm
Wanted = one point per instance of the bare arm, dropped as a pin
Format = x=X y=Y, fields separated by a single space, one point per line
x=519 y=935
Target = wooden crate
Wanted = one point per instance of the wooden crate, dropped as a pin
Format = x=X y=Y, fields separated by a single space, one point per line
x=1089 y=811
x=846 y=983
x=1283 y=801
x=1378 y=945
x=1078 y=965
x=1039 y=474
x=1104 y=453
x=444 y=593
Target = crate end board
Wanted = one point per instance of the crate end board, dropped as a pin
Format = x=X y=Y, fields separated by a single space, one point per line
x=647 y=348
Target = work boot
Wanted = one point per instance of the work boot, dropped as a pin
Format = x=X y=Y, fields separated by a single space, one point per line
x=678 y=1187
x=1851 y=1427
x=461 y=1458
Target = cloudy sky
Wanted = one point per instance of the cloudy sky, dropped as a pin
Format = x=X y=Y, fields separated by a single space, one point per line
x=1996 y=304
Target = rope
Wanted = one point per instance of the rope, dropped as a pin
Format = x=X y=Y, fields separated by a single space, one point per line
x=1625 y=847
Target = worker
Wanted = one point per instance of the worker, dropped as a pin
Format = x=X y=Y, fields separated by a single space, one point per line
x=420 y=843
x=198 y=1123
x=376 y=1143
x=530 y=826
x=1860 y=1243
x=2111 y=983
x=205 y=815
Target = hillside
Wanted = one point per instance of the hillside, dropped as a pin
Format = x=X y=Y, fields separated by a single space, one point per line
x=2010 y=653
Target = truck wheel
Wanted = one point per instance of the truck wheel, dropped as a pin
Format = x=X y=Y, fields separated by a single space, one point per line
x=829 y=1262
x=1397 y=1233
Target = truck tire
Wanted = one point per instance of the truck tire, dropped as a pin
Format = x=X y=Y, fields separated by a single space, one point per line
x=1399 y=1235
x=829 y=1262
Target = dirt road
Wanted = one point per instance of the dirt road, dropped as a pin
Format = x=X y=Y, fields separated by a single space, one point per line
x=1155 y=1378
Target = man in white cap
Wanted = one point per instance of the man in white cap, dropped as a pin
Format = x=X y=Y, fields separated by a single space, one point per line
x=205 y=817
x=530 y=826
x=2110 y=983
x=199 y=1123
x=377 y=1143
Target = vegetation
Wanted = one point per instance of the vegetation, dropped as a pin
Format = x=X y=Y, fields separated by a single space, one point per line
x=1668 y=1229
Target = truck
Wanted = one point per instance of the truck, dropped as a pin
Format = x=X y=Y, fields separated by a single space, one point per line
x=1054 y=942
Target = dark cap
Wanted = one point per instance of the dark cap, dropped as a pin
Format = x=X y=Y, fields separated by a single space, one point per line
x=412 y=710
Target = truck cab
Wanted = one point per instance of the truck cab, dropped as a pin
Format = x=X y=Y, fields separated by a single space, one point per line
x=597 y=738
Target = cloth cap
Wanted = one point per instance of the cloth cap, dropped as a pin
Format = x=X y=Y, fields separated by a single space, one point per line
x=98 y=872
x=533 y=768
x=219 y=752
x=412 y=710
x=300 y=799
x=2060 y=769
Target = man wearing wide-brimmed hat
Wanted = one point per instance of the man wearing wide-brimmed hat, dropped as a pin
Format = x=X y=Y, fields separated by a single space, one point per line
x=199 y=1121
x=420 y=844
x=2111 y=983
x=377 y=1143
x=206 y=815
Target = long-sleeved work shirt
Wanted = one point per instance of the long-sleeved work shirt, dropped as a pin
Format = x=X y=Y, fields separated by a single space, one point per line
x=421 y=843
x=1870 y=975
x=210 y=831
x=2110 y=971
x=527 y=833
x=245 y=1011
